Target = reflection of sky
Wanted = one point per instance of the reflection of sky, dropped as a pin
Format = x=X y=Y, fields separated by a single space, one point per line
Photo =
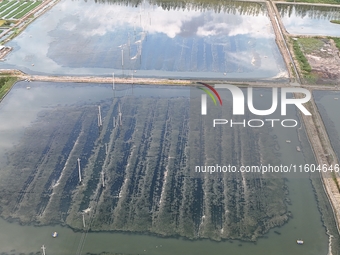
x=87 y=38
x=21 y=106
x=310 y=24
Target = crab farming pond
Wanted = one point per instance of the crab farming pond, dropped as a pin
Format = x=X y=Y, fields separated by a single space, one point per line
x=143 y=39
x=327 y=103
x=136 y=195
x=310 y=20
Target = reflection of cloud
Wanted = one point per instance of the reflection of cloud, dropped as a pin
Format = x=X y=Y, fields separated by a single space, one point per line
x=97 y=20
x=190 y=28
x=83 y=37
x=306 y=25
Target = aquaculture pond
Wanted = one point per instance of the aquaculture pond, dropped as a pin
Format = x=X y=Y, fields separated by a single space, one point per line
x=310 y=20
x=49 y=126
x=327 y=103
x=234 y=40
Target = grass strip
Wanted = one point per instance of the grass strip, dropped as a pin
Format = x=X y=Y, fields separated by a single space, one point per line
x=336 y=21
x=20 y=9
x=5 y=6
x=337 y=42
x=6 y=83
x=303 y=62
x=11 y=9
x=316 y=1
x=31 y=7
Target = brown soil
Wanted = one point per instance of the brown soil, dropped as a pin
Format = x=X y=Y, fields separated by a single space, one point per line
x=325 y=63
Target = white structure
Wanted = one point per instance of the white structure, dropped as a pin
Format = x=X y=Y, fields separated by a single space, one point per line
x=119 y=115
x=79 y=172
x=43 y=249
x=83 y=219
x=100 y=123
x=103 y=179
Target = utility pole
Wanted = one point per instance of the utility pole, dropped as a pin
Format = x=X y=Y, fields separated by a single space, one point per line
x=83 y=219
x=100 y=123
x=43 y=249
x=79 y=172
x=103 y=179
x=120 y=115
x=123 y=61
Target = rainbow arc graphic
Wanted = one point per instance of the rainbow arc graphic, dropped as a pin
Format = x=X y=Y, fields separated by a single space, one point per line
x=211 y=91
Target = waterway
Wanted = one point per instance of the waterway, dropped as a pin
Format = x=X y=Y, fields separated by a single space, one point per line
x=21 y=108
x=150 y=40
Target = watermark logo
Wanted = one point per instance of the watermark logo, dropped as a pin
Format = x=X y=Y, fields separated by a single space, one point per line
x=238 y=103
x=208 y=89
x=238 y=99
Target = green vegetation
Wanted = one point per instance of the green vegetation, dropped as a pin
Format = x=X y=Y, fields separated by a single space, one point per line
x=20 y=9
x=5 y=4
x=303 y=62
x=316 y=1
x=17 y=9
x=13 y=7
x=5 y=23
x=336 y=181
x=336 y=21
x=6 y=82
x=310 y=44
x=337 y=42
x=27 y=10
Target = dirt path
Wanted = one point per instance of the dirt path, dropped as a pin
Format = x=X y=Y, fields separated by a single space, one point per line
x=280 y=33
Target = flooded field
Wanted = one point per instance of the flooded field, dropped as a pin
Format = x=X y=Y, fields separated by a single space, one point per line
x=150 y=39
x=310 y=20
x=142 y=155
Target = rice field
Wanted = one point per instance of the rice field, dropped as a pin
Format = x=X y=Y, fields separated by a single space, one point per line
x=16 y=9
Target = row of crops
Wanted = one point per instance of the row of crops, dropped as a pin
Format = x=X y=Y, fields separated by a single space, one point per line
x=16 y=9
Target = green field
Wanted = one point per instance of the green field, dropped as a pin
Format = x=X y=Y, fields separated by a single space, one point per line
x=337 y=41
x=336 y=21
x=308 y=45
x=316 y=1
x=303 y=62
x=6 y=82
x=16 y=9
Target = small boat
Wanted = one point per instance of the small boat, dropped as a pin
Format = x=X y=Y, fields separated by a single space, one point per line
x=298 y=148
x=299 y=241
x=288 y=141
x=54 y=234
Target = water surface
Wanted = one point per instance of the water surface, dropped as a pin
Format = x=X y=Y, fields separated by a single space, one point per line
x=84 y=37
x=310 y=20
x=22 y=106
